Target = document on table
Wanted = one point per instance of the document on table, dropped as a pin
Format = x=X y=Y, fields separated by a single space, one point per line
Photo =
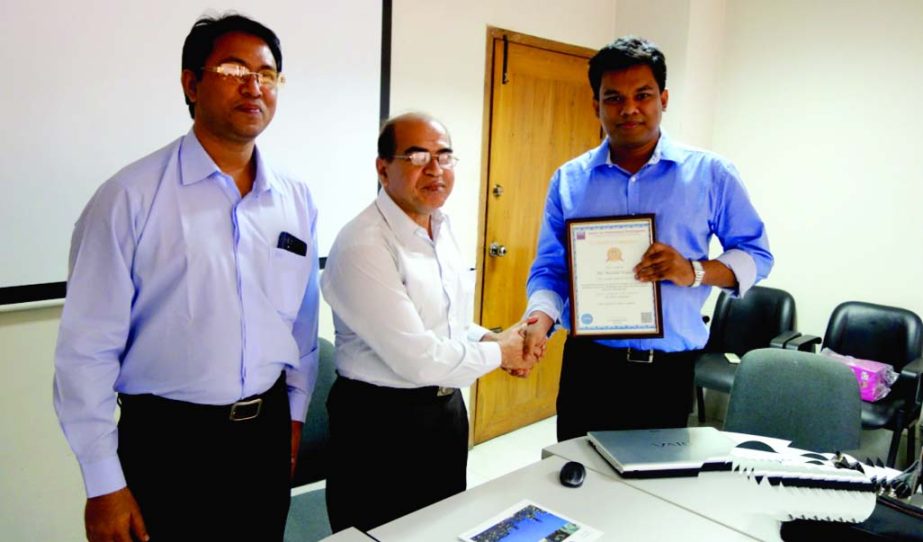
x=527 y=521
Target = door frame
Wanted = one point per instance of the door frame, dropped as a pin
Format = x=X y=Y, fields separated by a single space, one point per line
x=496 y=33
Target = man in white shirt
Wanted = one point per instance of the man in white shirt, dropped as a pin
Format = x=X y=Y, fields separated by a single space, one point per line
x=404 y=341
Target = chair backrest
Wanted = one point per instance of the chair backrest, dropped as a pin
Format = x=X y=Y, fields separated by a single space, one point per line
x=799 y=396
x=312 y=453
x=752 y=321
x=877 y=332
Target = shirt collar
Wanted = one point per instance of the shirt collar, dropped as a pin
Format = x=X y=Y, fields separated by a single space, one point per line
x=664 y=150
x=401 y=223
x=197 y=165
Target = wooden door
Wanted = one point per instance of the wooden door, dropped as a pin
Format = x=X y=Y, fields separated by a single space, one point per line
x=538 y=115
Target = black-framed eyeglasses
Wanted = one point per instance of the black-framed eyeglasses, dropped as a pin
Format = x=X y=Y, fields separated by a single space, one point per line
x=446 y=160
x=268 y=79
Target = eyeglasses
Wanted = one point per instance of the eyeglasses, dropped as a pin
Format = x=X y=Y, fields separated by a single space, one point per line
x=268 y=79
x=446 y=160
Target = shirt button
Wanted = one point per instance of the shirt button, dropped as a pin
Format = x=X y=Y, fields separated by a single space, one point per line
x=632 y=179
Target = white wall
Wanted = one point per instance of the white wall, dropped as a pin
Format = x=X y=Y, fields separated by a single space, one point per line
x=819 y=106
x=41 y=493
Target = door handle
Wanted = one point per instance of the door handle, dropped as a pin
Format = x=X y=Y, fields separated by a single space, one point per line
x=497 y=250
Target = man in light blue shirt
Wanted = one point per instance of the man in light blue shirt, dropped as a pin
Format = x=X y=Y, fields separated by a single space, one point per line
x=193 y=296
x=694 y=194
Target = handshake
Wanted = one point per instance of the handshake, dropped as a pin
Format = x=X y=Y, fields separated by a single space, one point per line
x=523 y=344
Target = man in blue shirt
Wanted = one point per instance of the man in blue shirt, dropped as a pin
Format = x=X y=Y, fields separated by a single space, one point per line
x=193 y=298
x=694 y=194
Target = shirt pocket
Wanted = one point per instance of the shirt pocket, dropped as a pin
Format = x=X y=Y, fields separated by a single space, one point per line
x=288 y=276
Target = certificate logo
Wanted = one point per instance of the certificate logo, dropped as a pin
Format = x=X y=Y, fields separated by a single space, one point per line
x=586 y=318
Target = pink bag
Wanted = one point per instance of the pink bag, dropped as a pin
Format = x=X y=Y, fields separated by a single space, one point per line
x=875 y=378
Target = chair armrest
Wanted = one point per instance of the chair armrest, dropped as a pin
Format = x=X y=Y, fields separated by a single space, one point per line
x=781 y=339
x=805 y=343
x=911 y=372
x=913 y=369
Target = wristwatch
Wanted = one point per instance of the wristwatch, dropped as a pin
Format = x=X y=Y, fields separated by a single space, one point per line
x=699 y=273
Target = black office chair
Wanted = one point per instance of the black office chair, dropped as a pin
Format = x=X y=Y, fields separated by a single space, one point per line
x=307 y=516
x=806 y=398
x=890 y=335
x=761 y=318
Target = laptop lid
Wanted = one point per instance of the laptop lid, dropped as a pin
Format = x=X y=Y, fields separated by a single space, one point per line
x=651 y=453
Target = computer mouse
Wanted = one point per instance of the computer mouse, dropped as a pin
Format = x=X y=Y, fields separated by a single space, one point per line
x=572 y=474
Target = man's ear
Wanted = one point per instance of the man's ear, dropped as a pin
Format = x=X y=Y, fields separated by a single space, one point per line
x=190 y=85
x=664 y=98
x=596 y=108
x=381 y=166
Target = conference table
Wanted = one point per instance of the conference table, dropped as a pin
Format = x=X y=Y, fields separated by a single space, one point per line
x=656 y=509
x=604 y=502
x=696 y=495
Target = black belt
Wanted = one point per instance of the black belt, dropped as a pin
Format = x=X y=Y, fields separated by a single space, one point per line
x=248 y=408
x=423 y=393
x=635 y=355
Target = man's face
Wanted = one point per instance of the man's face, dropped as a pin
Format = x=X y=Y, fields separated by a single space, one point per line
x=630 y=106
x=225 y=107
x=418 y=190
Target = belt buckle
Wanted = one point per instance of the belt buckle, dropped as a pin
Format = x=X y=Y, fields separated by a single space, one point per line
x=650 y=357
x=444 y=391
x=242 y=411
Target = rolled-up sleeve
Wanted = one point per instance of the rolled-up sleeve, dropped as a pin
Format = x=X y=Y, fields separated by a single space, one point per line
x=741 y=232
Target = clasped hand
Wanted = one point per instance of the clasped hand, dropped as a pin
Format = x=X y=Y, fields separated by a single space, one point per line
x=532 y=336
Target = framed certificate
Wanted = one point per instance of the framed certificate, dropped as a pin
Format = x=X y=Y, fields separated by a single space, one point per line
x=606 y=299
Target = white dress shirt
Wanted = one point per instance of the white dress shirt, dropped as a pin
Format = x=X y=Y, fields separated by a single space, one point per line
x=401 y=303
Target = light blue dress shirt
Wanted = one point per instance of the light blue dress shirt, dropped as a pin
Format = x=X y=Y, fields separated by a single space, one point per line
x=176 y=288
x=693 y=193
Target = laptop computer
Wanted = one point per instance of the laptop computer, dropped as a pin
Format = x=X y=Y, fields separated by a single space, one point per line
x=660 y=453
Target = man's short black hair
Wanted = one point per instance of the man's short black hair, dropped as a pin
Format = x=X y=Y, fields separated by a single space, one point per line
x=201 y=41
x=626 y=52
x=387 y=144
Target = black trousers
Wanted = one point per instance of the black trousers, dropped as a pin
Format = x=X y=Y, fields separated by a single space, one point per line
x=393 y=451
x=601 y=390
x=197 y=475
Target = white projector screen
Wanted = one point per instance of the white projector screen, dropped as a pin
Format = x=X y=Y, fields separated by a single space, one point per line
x=94 y=85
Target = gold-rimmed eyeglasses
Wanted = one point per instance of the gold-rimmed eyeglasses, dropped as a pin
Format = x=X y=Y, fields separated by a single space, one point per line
x=268 y=79
x=446 y=160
